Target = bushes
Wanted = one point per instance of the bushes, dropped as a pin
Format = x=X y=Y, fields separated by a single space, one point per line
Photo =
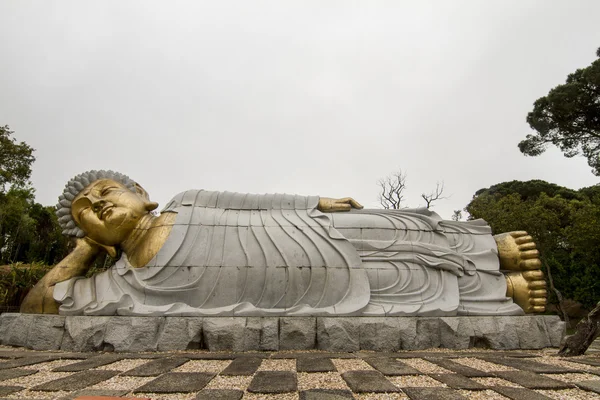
x=16 y=280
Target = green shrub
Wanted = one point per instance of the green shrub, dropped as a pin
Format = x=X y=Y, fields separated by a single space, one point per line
x=16 y=280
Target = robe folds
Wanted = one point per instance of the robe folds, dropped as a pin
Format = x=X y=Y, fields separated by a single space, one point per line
x=232 y=254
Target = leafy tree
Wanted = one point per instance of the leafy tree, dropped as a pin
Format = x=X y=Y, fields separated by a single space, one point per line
x=29 y=232
x=15 y=161
x=569 y=118
x=563 y=222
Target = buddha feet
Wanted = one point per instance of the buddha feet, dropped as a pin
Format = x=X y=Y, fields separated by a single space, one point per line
x=519 y=260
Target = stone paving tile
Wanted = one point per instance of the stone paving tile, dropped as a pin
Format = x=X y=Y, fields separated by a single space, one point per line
x=220 y=394
x=368 y=381
x=587 y=361
x=314 y=365
x=79 y=380
x=21 y=362
x=460 y=368
x=242 y=366
x=326 y=394
x=592 y=386
x=528 y=365
x=423 y=393
x=156 y=367
x=177 y=382
x=6 y=390
x=95 y=392
x=274 y=382
x=391 y=367
x=93 y=362
x=519 y=393
x=457 y=381
x=15 y=373
x=532 y=380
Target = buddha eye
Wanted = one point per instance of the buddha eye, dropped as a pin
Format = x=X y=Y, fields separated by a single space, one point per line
x=107 y=190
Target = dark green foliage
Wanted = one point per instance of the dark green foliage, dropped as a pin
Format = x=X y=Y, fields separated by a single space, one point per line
x=15 y=282
x=15 y=161
x=29 y=232
x=563 y=222
x=569 y=118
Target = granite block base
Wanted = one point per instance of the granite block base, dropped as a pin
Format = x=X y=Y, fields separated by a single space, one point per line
x=339 y=334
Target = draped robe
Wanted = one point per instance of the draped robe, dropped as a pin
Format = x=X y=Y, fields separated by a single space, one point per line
x=247 y=254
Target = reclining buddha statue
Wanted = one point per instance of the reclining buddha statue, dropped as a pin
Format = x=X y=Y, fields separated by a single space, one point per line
x=234 y=254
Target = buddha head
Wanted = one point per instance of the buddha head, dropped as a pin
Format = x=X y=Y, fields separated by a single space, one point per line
x=104 y=206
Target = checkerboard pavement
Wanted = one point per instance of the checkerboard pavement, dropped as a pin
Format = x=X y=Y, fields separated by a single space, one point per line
x=310 y=375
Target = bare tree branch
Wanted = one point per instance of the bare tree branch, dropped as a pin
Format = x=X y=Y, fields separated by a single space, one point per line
x=434 y=195
x=392 y=187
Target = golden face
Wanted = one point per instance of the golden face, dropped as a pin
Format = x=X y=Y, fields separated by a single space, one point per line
x=108 y=212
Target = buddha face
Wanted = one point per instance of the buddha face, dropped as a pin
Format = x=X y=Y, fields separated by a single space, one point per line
x=108 y=212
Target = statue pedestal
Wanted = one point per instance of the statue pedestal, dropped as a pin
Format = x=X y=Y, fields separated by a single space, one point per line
x=341 y=334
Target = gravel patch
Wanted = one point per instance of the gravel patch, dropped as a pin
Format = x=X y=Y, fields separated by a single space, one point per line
x=321 y=380
x=215 y=366
x=278 y=396
x=30 y=381
x=425 y=366
x=229 y=382
x=350 y=364
x=122 y=383
x=34 y=394
x=573 y=377
x=571 y=394
x=415 y=381
x=380 y=396
x=481 y=365
x=169 y=396
x=495 y=382
x=284 y=364
x=482 y=395
x=122 y=365
x=50 y=365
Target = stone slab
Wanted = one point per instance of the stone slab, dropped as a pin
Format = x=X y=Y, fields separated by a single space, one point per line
x=242 y=366
x=341 y=334
x=220 y=394
x=432 y=393
x=457 y=381
x=314 y=365
x=177 y=382
x=93 y=362
x=7 y=390
x=338 y=334
x=368 y=381
x=459 y=368
x=586 y=361
x=531 y=380
x=105 y=394
x=326 y=394
x=519 y=393
x=156 y=367
x=77 y=381
x=7 y=374
x=592 y=386
x=529 y=365
x=391 y=367
x=271 y=382
x=31 y=360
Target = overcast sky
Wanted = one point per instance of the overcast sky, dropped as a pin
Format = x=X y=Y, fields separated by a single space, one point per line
x=307 y=97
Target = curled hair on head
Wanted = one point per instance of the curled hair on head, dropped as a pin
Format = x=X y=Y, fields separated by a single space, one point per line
x=76 y=185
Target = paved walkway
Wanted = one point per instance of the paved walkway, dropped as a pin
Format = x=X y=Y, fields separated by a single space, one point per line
x=430 y=375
